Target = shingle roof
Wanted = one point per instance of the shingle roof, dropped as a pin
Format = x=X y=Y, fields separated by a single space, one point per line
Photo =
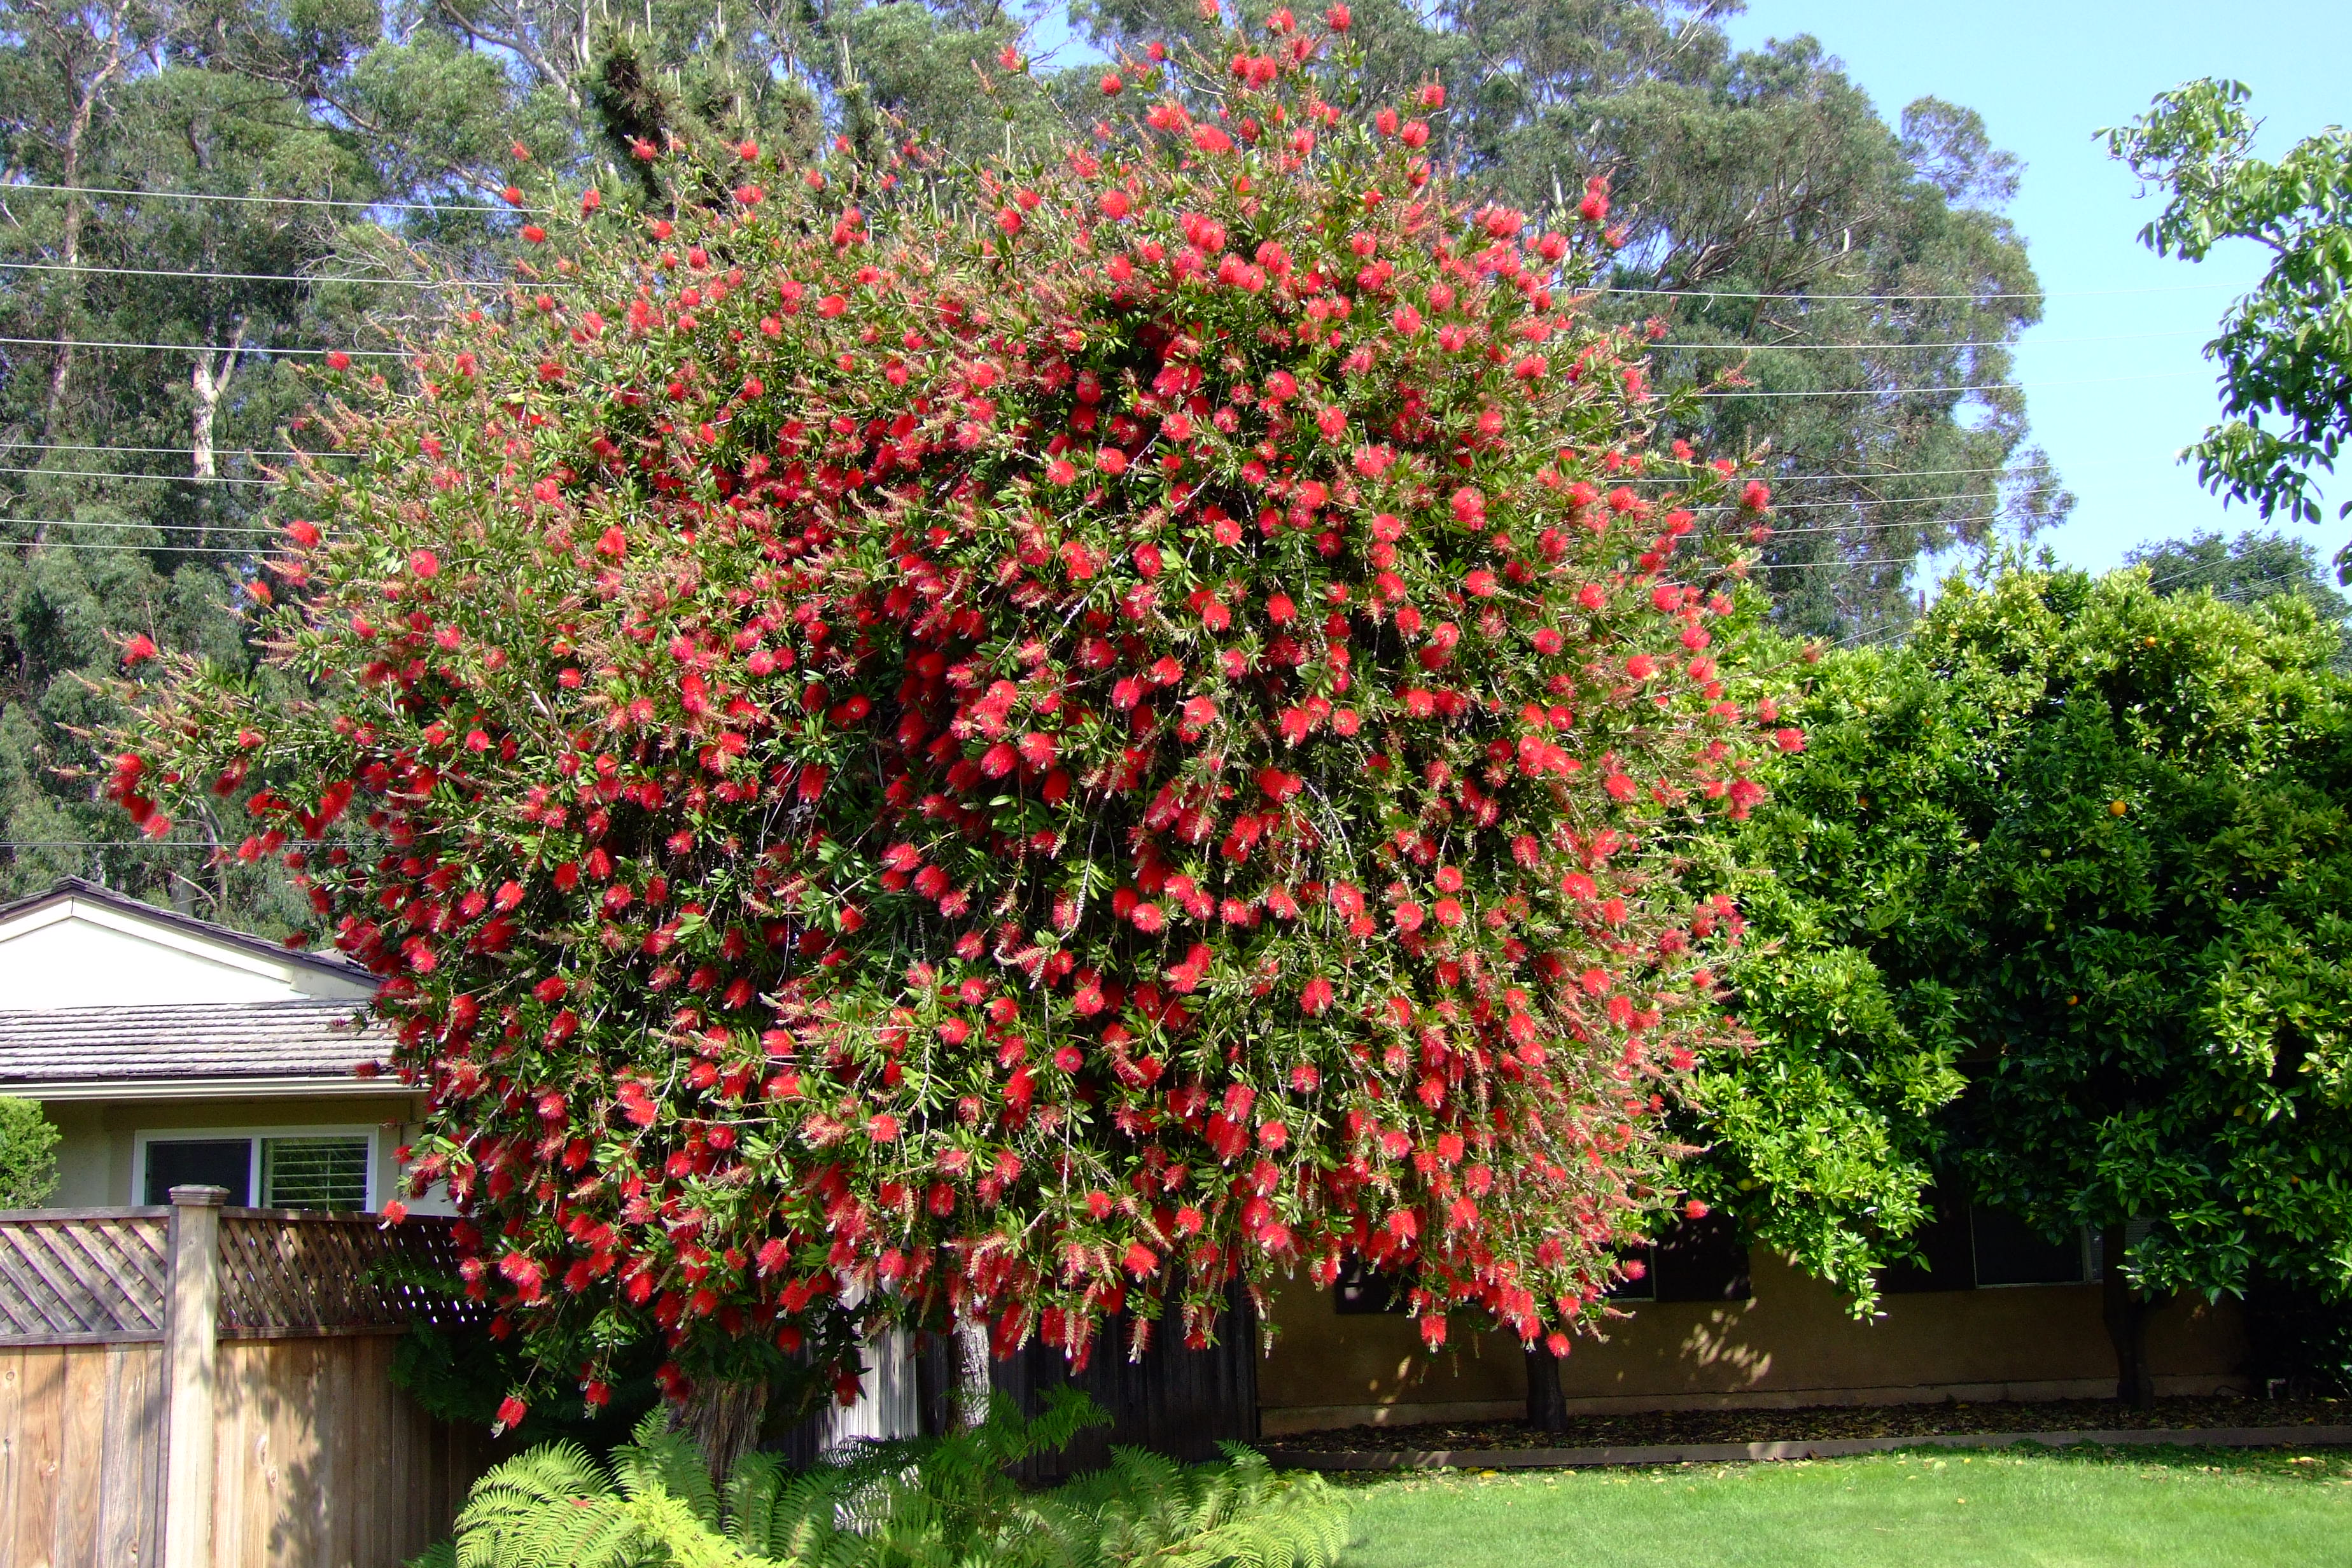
x=223 y=1042
x=212 y=930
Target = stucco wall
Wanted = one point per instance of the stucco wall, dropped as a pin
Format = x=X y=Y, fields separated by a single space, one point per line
x=1792 y=1344
x=97 y=1162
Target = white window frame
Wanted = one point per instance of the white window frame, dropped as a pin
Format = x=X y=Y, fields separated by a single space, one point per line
x=253 y=1137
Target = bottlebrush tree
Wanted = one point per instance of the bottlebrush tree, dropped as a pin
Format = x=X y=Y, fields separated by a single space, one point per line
x=1009 y=744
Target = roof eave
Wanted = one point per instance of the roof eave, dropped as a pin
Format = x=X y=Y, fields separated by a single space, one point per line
x=341 y=1086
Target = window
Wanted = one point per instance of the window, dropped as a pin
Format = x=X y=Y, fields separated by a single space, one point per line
x=1946 y=1252
x=1363 y=1289
x=1691 y=1261
x=1970 y=1246
x=200 y=1163
x=314 y=1172
x=322 y=1168
x=2011 y=1252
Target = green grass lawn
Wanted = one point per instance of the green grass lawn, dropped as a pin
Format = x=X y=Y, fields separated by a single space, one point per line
x=2031 y=1509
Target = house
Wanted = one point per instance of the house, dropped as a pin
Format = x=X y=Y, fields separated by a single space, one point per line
x=170 y=1050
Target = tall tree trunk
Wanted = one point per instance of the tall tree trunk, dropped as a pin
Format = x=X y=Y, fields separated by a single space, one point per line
x=85 y=95
x=723 y=1420
x=1547 y=1407
x=2125 y=1310
x=211 y=378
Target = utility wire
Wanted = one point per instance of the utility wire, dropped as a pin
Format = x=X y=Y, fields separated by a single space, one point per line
x=170 y=451
x=253 y=277
x=1956 y=343
x=2043 y=294
x=173 y=478
x=198 y=348
x=1988 y=386
x=114 y=523
x=275 y=201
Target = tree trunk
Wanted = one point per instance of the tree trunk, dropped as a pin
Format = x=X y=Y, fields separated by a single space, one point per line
x=968 y=1356
x=2124 y=1312
x=723 y=1419
x=1547 y=1407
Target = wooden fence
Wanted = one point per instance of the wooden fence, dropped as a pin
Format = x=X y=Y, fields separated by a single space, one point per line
x=210 y=1388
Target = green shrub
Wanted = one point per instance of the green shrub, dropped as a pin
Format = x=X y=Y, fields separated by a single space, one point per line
x=944 y=1500
x=28 y=1155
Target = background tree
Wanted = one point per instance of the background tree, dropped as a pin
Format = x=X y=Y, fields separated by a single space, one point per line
x=1844 y=292
x=2285 y=349
x=2245 y=571
x=1044 y=742
x=2106 y=849
x=28 y=1155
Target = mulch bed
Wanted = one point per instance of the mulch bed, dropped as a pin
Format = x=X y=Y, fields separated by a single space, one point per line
x=1820 y=1422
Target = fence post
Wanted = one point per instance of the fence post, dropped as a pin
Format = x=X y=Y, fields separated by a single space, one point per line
x=190 y=1334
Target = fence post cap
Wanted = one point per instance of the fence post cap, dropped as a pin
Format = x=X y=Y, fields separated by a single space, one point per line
x=199 y=1197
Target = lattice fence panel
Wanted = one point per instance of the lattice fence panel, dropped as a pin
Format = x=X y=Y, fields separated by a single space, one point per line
x=288 y=1273
x=69 y=1278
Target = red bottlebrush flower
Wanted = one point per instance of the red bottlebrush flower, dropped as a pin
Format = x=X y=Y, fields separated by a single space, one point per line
x=138 y=649
x=1432 y=96
x=1789 y=739
x=510 y=1412
x=1111 y=85
x=1338 y=18
x=534 y=234
x=337 y=360
x=1694 y=1209
x=1166 y=691
x=424 y=564
x=644 y=150
x=591 y=199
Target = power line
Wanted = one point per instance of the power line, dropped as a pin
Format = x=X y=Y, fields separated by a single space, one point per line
x=197 y=348
x=1989 y=386
x=112 y=474
x=275 y=201
x=1891 y=299
x=1956 y=343
x=113 y=523
x=170 y=451
x=254 y=276
x=128 y=548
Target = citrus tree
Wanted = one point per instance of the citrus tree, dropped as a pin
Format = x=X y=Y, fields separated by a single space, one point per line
x=2093 y=842
x=1005 y=745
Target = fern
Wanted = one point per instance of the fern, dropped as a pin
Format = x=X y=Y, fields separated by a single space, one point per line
x=936 y=1502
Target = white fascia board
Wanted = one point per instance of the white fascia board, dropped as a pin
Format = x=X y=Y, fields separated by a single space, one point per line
x=212 y=1088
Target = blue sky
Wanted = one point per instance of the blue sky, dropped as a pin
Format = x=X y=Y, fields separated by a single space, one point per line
x=2116 y=381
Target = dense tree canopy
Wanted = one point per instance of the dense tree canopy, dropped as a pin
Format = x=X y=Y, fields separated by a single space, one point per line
x=1016 y=744
x=2093 y=839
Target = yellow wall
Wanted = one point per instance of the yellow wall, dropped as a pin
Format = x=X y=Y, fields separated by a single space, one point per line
x=96 y=1164
x=1792 y=1344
